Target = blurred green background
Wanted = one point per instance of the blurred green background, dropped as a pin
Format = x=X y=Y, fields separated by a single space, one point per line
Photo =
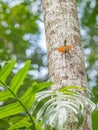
x=22 y=37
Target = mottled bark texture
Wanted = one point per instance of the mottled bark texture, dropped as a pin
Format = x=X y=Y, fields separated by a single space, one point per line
x=61 y=23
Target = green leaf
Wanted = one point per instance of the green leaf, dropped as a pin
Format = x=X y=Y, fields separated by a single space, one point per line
x=10 y=109
x=41 y=86
x=72 y=87
x=95 y=119
x=4 y=124
x=23 y=123
x=19 y=77
x=6 y=70
x=80 y=119
x=5 y=95
x=39 y=125
x=14 y=108
x=16 y=82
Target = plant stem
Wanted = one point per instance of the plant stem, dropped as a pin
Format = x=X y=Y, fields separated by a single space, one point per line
x=20 y=103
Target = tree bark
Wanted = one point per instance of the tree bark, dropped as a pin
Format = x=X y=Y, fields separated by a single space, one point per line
x=61 y=23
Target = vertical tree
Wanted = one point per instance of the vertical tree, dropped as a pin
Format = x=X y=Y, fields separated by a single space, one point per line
x=65 y=69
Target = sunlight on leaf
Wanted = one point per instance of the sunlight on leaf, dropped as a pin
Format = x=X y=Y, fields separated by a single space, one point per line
x=6 y=70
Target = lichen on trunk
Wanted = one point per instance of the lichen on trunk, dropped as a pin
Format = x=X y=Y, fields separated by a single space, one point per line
x=61 y=23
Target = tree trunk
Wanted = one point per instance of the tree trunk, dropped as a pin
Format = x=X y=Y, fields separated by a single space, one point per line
x=61 y=23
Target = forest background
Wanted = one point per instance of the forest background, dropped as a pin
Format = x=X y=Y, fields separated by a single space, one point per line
x=22 y=37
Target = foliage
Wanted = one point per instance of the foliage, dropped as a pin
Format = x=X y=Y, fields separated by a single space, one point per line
x=20 y=105
x=88 y=18
x=95 y=119
x=54 y=111
x=89 y=31
x=19 y=38
x=14 y=28
x=20 y=112
x=80 y=1
x=20 y=34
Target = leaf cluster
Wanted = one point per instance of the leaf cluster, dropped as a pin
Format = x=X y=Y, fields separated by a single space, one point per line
x=23 y=111
x=16 y=113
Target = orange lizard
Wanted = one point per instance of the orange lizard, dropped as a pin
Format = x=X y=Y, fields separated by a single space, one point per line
x=65 y=49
